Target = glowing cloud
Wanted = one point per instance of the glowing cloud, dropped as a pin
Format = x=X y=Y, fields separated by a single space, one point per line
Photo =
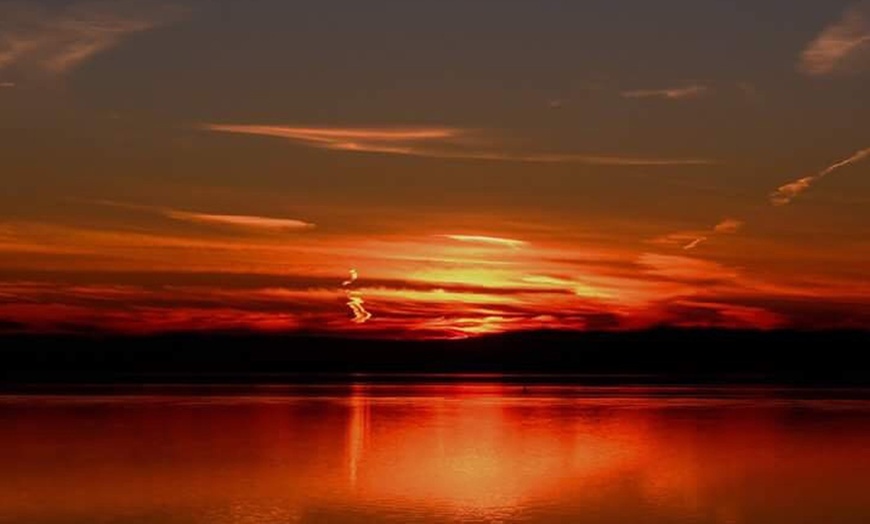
x=489 y=241
x=695 y=243
x=674 y=93
x=245 y=221
x=430 y=142
x=238 y=221
x=728 y=226
x=56 y=41
x=786 y=193
x=839 y=43
x=355 y=301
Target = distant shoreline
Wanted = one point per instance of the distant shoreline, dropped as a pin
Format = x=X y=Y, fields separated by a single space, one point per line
x=658 y=357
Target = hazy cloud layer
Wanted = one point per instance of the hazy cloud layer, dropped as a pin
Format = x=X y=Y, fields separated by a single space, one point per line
x=431 y=142
x=839 y=45
x=56 y=40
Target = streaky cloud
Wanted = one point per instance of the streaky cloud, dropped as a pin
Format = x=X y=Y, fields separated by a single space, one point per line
x=690 y=240
x=672 y=93
x=244 y=221
x=695 y=243
x=839 y=44
x=430 y=142
x=57 y=40
x=355 y=301
x=788 y=192
x=238 y=221
x=487 y=240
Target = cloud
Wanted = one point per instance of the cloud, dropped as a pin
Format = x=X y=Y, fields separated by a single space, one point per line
x=690 y=240
x=728 y=226
x=244 y=221
x=489 y=241
x=839 y=44
x=238 y=221
x=355 y=301
x=673 y=93
x=431 y=142
x=7 y=85
x=787 y=192
x=57 y=40
x=695 y=243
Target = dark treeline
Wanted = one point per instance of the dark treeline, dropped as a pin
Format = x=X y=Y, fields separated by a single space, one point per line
x=676 y=356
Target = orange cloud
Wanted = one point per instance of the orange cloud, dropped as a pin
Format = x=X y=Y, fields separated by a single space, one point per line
x=431 y=142
x=418 y=285
x=690 y=240
x=489 y=241
x=839 y=44
x=787 y=192
x=673 y=93
x=240 y=221
x=695 y=243
x=244 y=221
x=728 y=226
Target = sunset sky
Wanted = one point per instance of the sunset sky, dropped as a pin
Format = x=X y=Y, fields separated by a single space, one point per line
x=434 y=168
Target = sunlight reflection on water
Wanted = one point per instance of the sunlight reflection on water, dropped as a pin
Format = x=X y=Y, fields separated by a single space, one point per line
x=436 y=453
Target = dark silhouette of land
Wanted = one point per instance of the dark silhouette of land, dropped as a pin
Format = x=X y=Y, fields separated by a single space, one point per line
x=657 y=356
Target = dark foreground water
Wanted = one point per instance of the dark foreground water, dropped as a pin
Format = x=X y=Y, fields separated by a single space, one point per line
x=429 y=453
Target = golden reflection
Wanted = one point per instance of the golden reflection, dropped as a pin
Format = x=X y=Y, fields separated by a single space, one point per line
x=433 y=454
x=357 y=431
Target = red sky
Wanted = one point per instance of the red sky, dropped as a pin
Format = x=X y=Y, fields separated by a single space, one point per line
x=554 y=166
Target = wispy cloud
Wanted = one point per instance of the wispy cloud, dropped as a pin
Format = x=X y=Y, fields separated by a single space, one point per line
x=782 y=196
x=840 y=43
x=690 y=240
x=56 y=40
x=244 y=221
x=672 y=93
x=431 y=142
x=728 y=226
x=695 y=243
x=487 y=240
x=236 y=221
x=787 y=192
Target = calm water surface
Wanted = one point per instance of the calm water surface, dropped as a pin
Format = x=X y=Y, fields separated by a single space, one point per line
x=430 y=453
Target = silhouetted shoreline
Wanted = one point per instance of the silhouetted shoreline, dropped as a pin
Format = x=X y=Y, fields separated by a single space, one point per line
x=649 y=357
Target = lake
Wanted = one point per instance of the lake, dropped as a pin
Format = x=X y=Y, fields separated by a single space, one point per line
x=429 y=453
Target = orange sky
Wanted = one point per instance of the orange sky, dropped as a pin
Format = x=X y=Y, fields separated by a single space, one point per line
x=706 y=170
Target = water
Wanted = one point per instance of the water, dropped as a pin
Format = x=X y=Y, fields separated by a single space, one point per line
x=436 y=453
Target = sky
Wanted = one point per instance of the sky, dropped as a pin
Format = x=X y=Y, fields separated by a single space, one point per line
x=433 y=169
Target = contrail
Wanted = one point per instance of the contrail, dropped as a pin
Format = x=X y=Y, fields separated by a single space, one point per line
x=786 y=193
x=355 y=301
